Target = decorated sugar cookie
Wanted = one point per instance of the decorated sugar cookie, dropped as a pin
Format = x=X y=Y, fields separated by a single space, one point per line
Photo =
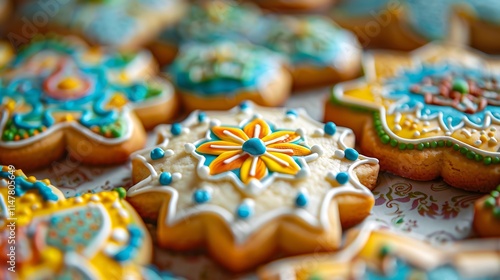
x=207 y=21
x=487 y=215
x=376 y=253
x=320 y=52
x=124 y=24
x=45 y=236
x=220 y=75
x=409 y=24
x=294 y=5
x=251 y=181
x=58 y=94
x=434 y=112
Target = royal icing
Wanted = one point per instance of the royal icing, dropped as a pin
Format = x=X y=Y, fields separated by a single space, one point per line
x=224 y=67
x=93 y=236
x=111 y=23
x=56 y=83
x=311 y=40
x=250 y=166
x=429 y=19
x=445 y=96
x=207 y=21
x=379 y=253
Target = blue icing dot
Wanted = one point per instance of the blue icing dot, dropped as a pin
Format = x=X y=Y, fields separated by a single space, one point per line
x=202 y=116
x=342 y=177
x=351 y=154
x=330 y=128
x=201 y=196
x=176 y=129
x=244 y=211
x=244 y=105
x=254 y=147
x=292 y=112
x=157 y=153
x=301 y=200
x=165 y=178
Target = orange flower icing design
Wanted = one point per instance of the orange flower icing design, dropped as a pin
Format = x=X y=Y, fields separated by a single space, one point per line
x=254 y=152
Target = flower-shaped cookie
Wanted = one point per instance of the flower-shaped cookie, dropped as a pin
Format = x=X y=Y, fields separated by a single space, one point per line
x=375 y=252
x=123 y=24
x=93 y=236
x=412 y=23
x=434 y=112
x=58 y=93
x=319 y=50
x=237 y=180
x=222 y=74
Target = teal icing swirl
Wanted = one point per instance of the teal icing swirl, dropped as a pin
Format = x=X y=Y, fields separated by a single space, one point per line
x=222 y=67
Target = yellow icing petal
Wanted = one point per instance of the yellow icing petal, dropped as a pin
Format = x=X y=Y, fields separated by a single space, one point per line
x=227 y=161
x=232 y=134
x=218 y=147
x=281 y=163
x=283 y=136
x=289 y=149
x=257 y=128
x=249 y=170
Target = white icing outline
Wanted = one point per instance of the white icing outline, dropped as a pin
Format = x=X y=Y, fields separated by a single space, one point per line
x=369 y=66
x=242 y=230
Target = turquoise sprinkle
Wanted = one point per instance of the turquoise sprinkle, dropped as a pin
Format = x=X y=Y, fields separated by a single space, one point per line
x=292 y=112
x=157 y=153
x=244 y=105
x=301 y=200
x=165 y=178
x=254 y=147
x=244 y=211
x=176 y=129
x=202 y=116
x=351 y=154
x=342 y=178
x=201 y=196
x=330 y=128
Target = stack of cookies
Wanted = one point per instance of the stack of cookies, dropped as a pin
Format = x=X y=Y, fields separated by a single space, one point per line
x=184 y=99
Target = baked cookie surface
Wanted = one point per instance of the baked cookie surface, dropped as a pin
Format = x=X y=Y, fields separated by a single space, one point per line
x=93 y=236
x=430 y=113
x=320 y=52
x=251 y=181
x=59 y=94
x=374 y=252
x=221 y=74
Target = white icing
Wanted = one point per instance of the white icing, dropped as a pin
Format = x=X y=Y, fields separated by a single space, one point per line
x=120 y=235
x=271 y=201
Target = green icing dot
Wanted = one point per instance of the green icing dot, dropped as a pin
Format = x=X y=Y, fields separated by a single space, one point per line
x=464 y=150
x=470 y=155
x=402 y=146
x=489 y=202
x=385 y=250
x=461 y=86
x=449 y=143
x=433 y=144
x=440 y=143
x=427 y=145
x=456 y=147
x=487 y=160
x=410 y=146
x=377 y=123
x=420 y=146
x=116 y=132
x=495 y=160
x=31 y=132
x=498 y=188
x=495 y=193
x=8 y=135
x=478 y=157
x=394 y=142
x=122 y=193
x=496 y=212
x=385 y=139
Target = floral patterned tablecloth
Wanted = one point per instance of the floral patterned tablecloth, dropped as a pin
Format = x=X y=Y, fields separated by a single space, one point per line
x=430 y=210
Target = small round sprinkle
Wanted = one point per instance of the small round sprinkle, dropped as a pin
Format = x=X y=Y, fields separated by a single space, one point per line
x=165 y=178
x=244 y=105
x=244 y=211
x=201 y=196
x=339 y=154
x=495 y=193
x=202 y=116
x=157 y=153
x=385 y=139
x=342 y=177
x=122 y=193
x=330 y=128
x=301 y=200
x=351 y=154
x=292 y=112
x=176 y=129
